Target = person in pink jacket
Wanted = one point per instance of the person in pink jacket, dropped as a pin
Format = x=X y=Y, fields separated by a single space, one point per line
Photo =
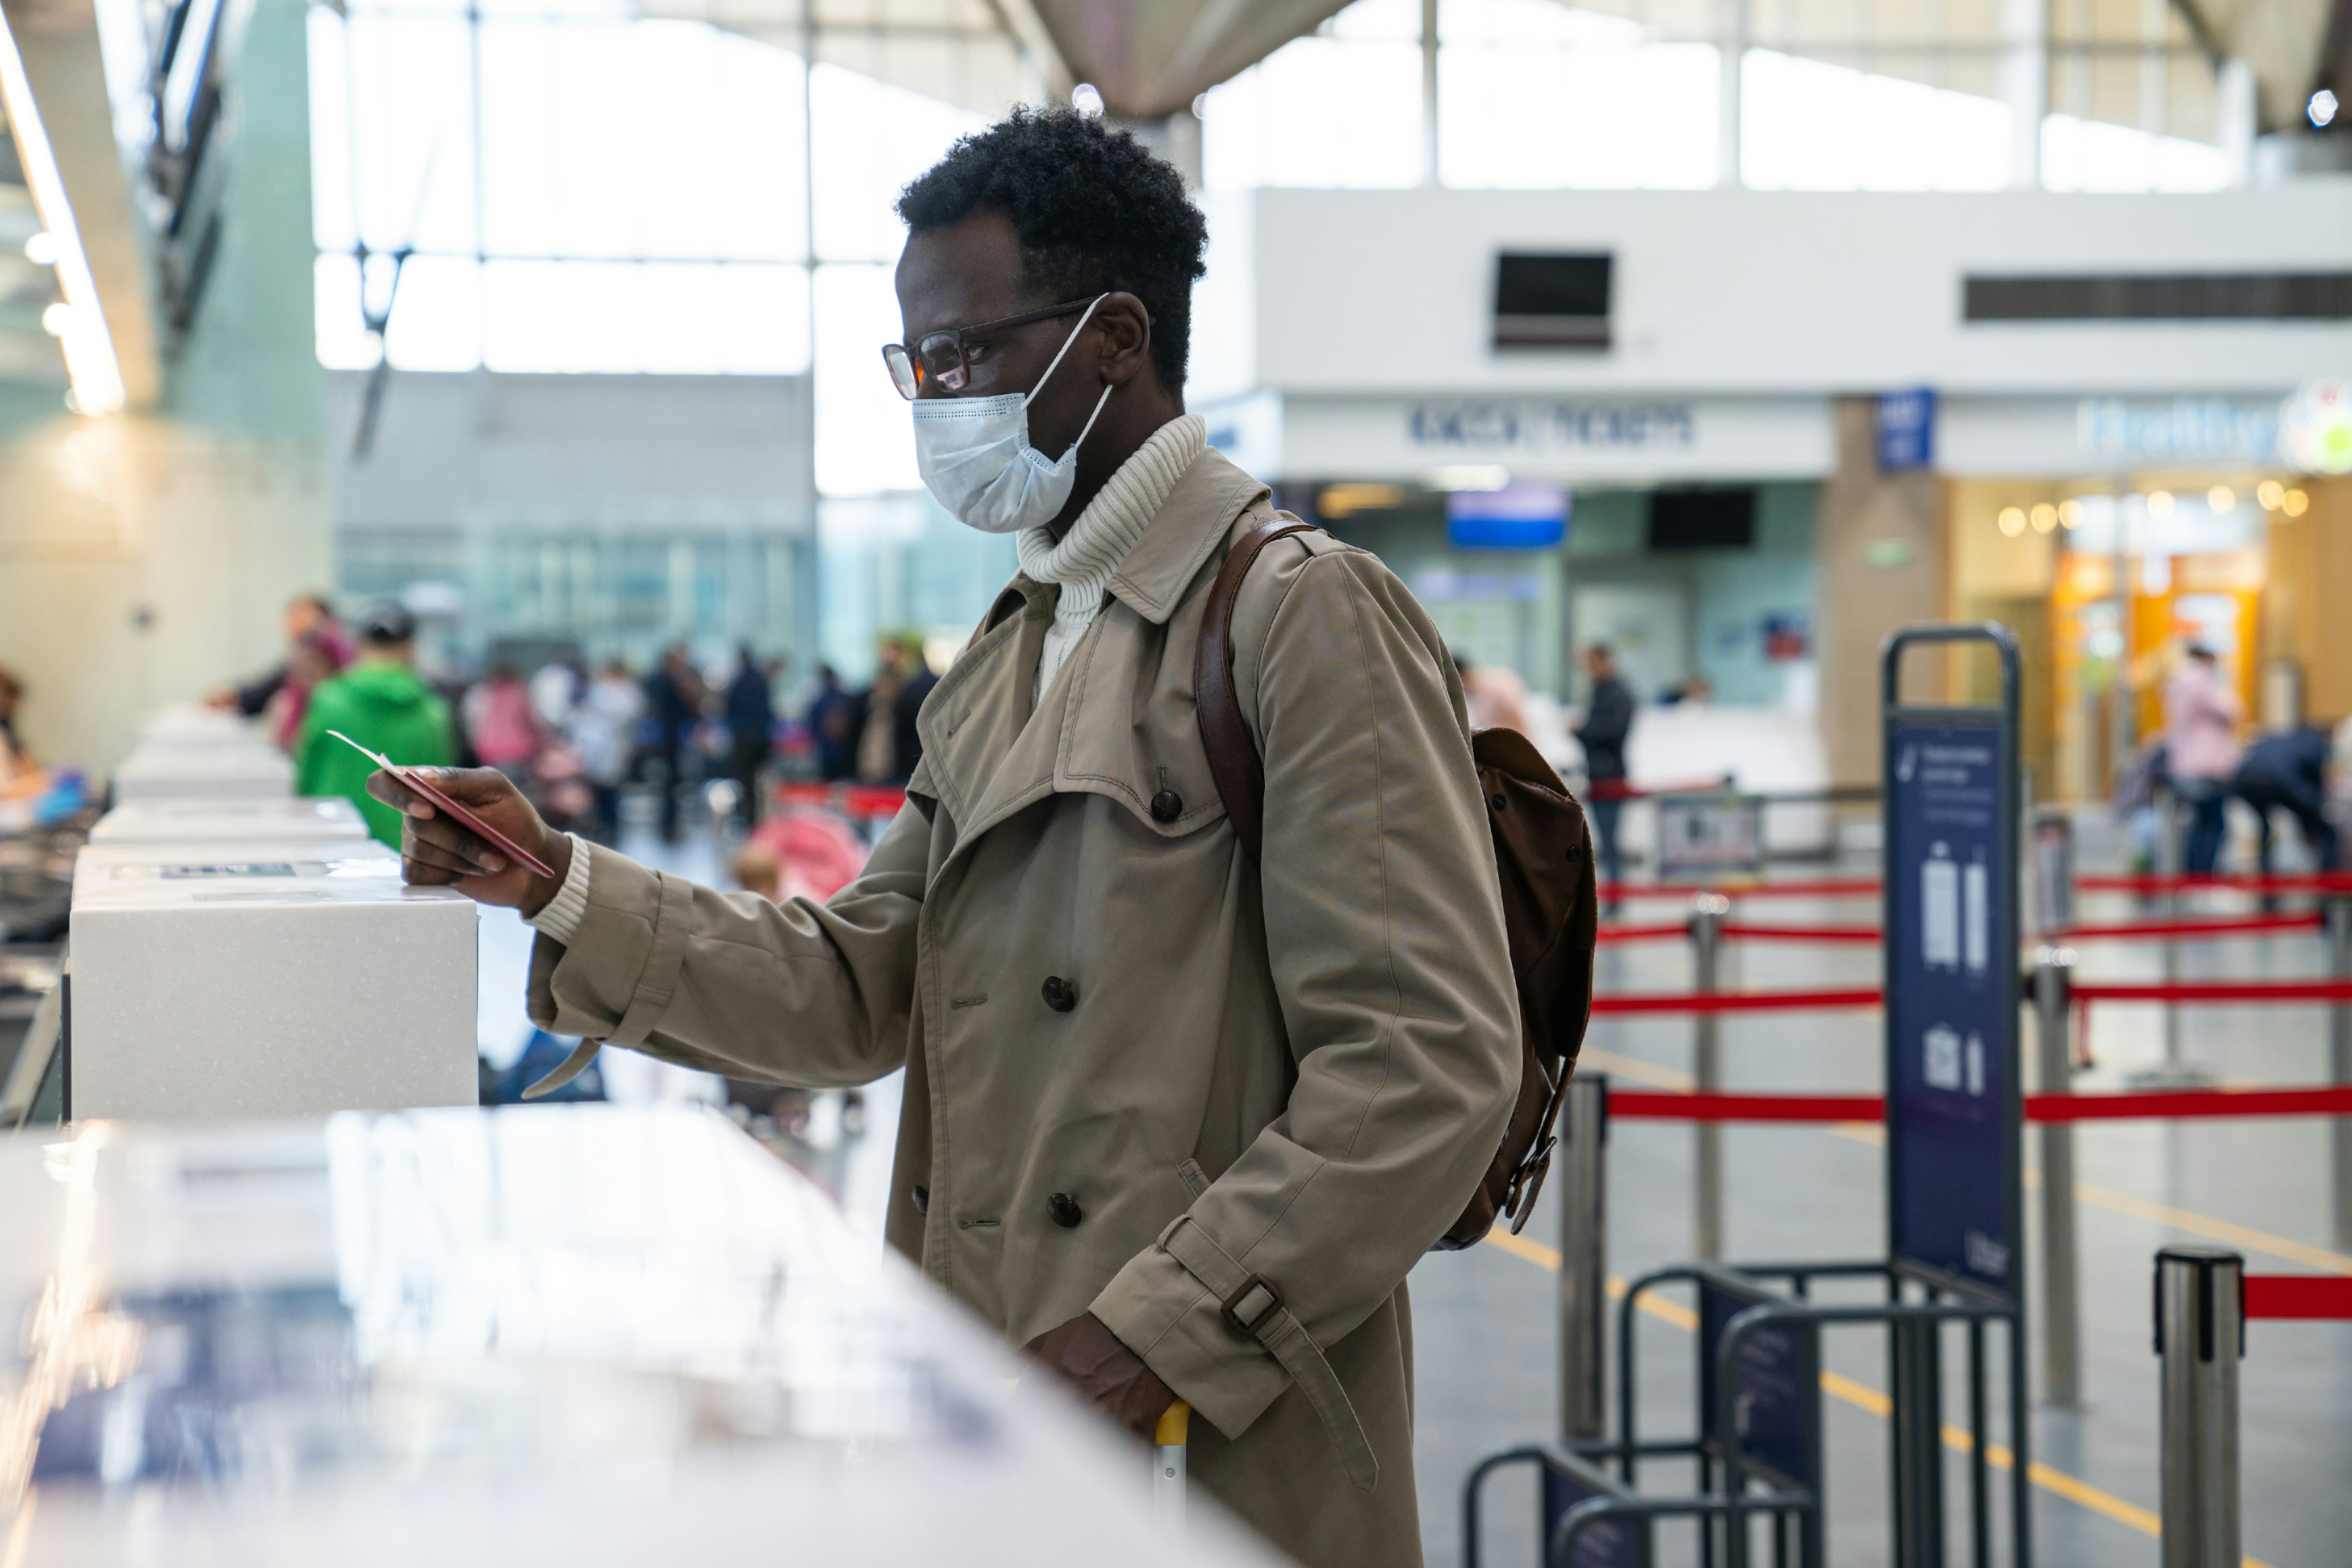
x=2200 y=738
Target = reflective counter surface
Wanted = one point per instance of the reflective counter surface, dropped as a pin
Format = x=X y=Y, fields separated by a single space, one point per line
x=554 y=1334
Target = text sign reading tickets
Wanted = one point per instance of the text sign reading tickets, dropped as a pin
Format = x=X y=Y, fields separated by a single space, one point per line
x=1951 y=1012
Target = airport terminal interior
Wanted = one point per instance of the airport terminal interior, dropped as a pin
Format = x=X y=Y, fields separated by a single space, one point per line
x=521 y=618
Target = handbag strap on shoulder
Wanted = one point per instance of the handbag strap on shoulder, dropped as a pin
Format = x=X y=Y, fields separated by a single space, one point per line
x=1233 y=760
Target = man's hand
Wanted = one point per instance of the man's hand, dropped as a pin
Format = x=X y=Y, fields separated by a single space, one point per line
x=1107 y=1374
x=435 y=851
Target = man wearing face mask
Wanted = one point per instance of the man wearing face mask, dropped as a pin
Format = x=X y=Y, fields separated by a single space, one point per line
x=1179 y=1116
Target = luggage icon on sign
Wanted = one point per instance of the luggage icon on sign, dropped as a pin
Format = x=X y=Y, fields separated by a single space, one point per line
x=1942 y=1066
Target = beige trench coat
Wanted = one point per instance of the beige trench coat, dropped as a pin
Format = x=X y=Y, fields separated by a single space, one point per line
x=1142 y=1070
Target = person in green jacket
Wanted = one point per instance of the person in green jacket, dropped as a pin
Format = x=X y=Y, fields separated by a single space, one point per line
x=380 y=702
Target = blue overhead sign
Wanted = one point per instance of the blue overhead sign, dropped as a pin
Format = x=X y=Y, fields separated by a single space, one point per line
x=1906 y=430
x=1953 y=1162
x=1516 y=517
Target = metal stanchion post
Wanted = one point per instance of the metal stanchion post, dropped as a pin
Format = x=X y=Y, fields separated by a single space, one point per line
x=2339 y=1060
x=2062 y=1345
x=1707 y=912
x=2200 y=1335
x=1582 y=1185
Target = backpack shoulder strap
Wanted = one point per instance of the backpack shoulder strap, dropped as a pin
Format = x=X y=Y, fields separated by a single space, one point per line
x=1233 y=760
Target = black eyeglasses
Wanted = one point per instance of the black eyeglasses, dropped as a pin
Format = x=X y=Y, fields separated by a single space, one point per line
x=942 y=356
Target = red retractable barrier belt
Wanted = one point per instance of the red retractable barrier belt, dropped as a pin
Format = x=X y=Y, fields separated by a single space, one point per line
x=1615 y=933
x=1668 y=1107
x=2252 y=991
x=2170 y=1104
x=2298 y=1296
x=2324 y=1101
x=1737 y=1002
x=1825 y=887
x=1801 y=934
x=2304 y=882
x=2153 y=929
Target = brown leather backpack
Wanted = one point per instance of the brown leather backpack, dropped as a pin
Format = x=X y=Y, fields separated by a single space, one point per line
x=1543 y=859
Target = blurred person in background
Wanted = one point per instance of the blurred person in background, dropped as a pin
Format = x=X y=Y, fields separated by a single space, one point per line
x=316 y=661
x=380 y=702
x=1608 y=723
x=20 y=775
x=888 y=745
x=1496 y=695
x=2288 y=772
x=313 y=637
x=832 y=720
x=604 y=731
x=674 y=697
x=501 y=724
x=555 y=691
x=2201 y=752
x=751 y=729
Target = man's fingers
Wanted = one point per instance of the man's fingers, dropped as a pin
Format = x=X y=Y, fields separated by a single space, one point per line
x=397 y=795
x=433 y=858
x=440 y=844
x=417 y=874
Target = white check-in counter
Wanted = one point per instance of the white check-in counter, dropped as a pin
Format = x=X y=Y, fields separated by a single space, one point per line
x=247 y=770
x=569 y=1336
x=326 y=820
x=240 y=981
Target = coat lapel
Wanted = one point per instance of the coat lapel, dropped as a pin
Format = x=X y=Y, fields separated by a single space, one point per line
x=987 y=755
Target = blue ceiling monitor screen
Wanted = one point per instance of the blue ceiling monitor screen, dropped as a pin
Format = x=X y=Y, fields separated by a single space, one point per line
x=1954 y=1172
x=1517 y=516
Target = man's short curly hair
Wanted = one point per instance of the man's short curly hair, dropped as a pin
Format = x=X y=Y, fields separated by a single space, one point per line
x=1095 y=211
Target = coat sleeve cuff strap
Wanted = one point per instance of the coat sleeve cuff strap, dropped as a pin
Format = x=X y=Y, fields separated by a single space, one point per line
x=1253 y=1306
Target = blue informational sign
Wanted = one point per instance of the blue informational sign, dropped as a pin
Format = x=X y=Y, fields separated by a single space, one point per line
x=1517 y=516
x=1611 y=1543
x=1952 y=1156
x=1777 y=1406
x=1906 y=430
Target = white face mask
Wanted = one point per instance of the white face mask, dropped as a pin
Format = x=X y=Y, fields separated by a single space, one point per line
x=974 y=453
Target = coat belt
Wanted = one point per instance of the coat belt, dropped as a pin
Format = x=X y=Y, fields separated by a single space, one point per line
x=1287 y=1340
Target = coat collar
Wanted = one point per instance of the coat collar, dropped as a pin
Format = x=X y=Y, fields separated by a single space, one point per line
x=1193 y=521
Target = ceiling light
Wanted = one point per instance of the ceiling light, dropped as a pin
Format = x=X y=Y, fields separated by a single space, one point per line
x=2011 y=520
x=2070 y=512
x=2222 y=498
x=2159 y=503
x=57 y=319
x=2045 y=517
x=90 y=361
x=2321 y=110
x=1087 y=100
x=2294 y=503
x=41 y=250
x=2270 y=492
x=1468 y=477
x=1344 y=500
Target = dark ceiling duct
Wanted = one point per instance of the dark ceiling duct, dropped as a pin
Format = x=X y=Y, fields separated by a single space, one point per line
x=1150 y=57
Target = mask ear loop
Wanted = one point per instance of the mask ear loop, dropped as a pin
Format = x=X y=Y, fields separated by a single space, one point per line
x=1065 y=349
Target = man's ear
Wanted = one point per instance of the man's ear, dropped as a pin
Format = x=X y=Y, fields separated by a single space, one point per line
x=1126 y=338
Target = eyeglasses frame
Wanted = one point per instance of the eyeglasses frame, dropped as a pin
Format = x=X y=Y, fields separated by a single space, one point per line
x=963 y=365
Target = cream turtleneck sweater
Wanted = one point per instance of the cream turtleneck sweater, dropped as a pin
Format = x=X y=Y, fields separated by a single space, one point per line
x=1088 y=556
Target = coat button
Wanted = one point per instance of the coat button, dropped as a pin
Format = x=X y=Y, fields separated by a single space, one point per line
x=1166 y=805
x=1059 y=993
x=922 y=1200
x=1063 y=1210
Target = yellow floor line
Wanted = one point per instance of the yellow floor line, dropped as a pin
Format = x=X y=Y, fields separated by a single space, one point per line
x=1639 y=1071
x=1862 y=1396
